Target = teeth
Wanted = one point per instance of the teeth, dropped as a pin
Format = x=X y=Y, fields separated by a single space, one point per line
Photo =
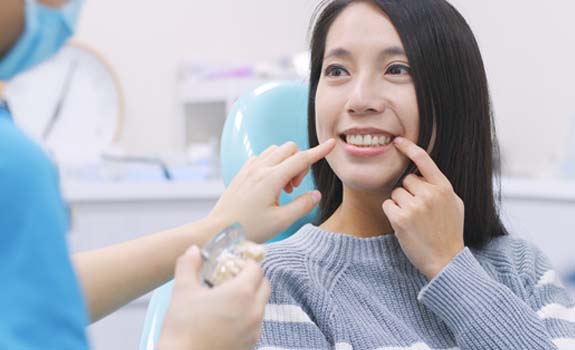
x=368 y=140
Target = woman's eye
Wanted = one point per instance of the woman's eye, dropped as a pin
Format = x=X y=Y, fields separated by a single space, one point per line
x=335 y=71
x=398 y=69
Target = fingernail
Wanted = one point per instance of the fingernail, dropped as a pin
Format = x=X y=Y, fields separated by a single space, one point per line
x=192 y=250
x=316 y=196
x=398 y=140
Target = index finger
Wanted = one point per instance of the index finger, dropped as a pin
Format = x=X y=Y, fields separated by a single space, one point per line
x=422 y=160
x=299 y=162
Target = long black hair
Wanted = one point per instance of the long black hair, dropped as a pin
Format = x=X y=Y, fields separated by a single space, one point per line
x=452 y=94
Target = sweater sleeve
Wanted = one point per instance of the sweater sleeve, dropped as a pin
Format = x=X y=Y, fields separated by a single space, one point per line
x=288 y=320
x=287 y=326
x=484 y=313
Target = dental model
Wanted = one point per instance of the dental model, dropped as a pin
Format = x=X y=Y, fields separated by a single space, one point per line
x=231 y=263
x=226 y=255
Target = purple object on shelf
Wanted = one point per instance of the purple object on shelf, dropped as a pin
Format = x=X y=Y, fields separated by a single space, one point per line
x=238 y=72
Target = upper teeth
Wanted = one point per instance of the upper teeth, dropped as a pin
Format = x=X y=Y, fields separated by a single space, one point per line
x=368 y=140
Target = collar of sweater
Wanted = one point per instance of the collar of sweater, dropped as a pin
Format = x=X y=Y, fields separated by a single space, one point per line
x=325 y=245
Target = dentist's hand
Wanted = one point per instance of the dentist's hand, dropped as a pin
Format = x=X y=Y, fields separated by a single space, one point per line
x=253 y=195
x=426 y=214
x=226 y=317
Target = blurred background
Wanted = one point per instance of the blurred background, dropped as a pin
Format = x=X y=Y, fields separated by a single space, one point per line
x=154 y=82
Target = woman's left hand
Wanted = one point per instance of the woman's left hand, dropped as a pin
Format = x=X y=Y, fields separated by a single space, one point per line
x=426 y=214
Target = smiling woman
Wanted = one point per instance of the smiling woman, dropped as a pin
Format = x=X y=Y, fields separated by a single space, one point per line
x=409 y=251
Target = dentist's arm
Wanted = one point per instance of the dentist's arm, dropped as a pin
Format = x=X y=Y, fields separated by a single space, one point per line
x=113 y=276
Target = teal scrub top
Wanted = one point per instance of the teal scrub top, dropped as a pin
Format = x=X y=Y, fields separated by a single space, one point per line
x=41 y=304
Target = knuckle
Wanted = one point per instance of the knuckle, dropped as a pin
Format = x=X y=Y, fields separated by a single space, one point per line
x=289 y=147
x=401 y=220
x=407 y=180
x=445 y=189
x=427 y=195
x=302 y=157
x=460 y=203
x=269 y=150
x=387 y=203
x=424 y=205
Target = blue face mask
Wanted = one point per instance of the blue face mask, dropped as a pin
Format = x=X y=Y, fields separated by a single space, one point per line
x=46 y=31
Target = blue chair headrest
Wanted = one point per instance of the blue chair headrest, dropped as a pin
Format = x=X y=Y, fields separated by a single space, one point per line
x=273 y=113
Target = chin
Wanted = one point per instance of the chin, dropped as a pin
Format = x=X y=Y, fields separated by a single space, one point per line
x=369 y=182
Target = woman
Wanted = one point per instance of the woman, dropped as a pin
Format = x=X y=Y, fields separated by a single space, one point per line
x=43 y=306
x=409 y=251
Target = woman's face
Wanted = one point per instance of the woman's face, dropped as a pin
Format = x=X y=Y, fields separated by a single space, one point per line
x=365 y=97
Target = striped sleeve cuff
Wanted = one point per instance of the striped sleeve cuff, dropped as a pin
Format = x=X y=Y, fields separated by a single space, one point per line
x=476 y=307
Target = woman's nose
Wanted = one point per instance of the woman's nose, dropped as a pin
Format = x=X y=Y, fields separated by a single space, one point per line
x=365 y=99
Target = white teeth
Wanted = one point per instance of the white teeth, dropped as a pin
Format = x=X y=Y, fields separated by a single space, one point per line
x=368 y=140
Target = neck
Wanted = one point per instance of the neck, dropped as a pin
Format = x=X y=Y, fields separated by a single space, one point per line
x=360 y=215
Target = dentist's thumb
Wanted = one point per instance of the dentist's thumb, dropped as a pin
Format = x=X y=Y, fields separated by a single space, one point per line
x=187 y=274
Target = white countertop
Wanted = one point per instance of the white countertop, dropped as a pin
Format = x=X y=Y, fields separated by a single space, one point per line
x=141 y=191
x=512 y=188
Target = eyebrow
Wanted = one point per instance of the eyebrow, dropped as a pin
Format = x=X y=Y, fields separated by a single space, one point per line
x=342 y=53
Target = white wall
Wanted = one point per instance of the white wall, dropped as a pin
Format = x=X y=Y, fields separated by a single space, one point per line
x=146 y=40
x=529 y=50
x=527 y=46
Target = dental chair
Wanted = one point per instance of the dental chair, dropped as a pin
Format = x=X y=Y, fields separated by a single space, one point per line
x=273 y=113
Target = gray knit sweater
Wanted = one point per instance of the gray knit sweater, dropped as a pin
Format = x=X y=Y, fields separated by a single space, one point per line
x=335 y=291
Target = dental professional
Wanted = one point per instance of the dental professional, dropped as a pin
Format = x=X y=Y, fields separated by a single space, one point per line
x=44 y=305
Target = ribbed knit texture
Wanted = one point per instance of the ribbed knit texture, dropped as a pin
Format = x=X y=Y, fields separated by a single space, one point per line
x=335 y=291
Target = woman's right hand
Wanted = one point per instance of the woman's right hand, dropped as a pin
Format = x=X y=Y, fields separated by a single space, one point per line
x=228 y=316
x=252 y=198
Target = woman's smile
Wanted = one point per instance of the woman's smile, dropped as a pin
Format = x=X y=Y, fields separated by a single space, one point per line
x=366 y=142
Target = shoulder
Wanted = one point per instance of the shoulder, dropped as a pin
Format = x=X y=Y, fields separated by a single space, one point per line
x=21 y=159
x=28 y=183
x=287 y=257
